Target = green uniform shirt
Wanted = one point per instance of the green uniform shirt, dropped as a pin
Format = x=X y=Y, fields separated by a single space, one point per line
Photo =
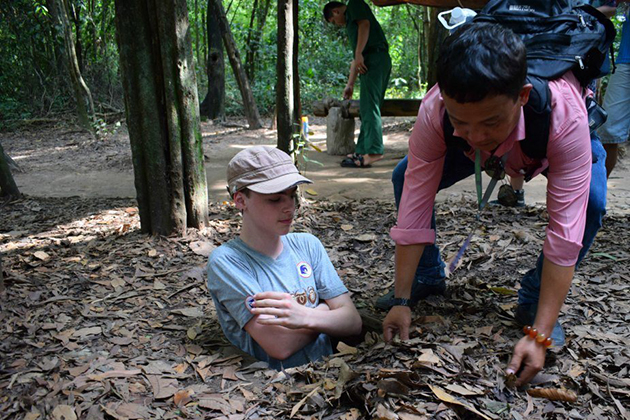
x=357 y=10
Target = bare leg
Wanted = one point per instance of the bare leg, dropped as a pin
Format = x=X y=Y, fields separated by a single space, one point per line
x=517 y=182
x=612 y=152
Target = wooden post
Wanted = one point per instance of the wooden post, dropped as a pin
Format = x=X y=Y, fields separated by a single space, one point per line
x=339 y=133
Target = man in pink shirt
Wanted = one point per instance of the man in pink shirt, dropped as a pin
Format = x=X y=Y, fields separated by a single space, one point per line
x=482 y=87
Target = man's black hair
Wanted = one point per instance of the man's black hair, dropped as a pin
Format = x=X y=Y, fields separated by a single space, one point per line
x=328 y=9
x=481 y=60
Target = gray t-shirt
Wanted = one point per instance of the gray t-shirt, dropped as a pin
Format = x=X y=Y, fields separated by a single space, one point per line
x=236 y=272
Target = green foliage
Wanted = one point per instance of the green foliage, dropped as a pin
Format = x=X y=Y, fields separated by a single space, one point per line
x=34 y=80
x=324 y=55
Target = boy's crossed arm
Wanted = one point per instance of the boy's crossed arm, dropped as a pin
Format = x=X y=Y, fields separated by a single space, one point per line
x=281 y=326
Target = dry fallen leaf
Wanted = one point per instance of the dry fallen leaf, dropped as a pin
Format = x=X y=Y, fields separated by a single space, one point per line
x=183 y=397
x=366 y=237
x=447 y=398
x=162 y=387
x=64 y=412
x=85 y=332
x=41 y=255
x=202 y=248
x=553 y=394
x=193 y=312
x=133 y=411
x=115 y=374
x=217 y=403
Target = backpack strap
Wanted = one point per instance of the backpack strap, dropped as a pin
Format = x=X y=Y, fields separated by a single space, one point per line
x=537 y=114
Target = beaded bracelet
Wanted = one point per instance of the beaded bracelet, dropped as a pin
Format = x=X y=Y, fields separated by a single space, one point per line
x=539 y=337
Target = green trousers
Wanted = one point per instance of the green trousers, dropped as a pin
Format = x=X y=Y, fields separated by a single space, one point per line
x=373 y=87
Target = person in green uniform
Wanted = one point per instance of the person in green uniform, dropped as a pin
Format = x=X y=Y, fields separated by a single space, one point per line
x=373 y=65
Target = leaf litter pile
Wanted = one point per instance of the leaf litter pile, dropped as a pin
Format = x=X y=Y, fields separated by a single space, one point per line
x=99 y=321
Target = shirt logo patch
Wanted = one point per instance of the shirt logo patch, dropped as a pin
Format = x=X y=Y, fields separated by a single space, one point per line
x=304 y=269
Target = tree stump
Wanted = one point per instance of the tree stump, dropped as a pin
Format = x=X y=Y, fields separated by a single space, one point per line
x=339 y=133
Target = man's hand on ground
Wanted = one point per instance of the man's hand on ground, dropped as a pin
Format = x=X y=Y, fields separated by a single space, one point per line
x=397 y=321
x=348 y=91
x=529 y=354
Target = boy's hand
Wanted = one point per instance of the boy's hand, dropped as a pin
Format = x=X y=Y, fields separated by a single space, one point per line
x=529 y=354
x=348 y=91
x=359 y=62
x=398 y=320
x=280 y=309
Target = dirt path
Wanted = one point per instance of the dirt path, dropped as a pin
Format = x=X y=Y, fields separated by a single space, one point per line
x=58 y=162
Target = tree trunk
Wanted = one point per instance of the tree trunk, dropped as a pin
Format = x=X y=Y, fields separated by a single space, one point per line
x=213 y=106
x=251 y=110
x=204 y=35
x=284 y=91
x=82 y=94
x=158 y=76
x=253 y=44
x=436 y=35
x=249 y=43
x=103 y=34
x=197 y=50
x=8 y=187
x=297 y=110
x=419 y=40
x=75 y=14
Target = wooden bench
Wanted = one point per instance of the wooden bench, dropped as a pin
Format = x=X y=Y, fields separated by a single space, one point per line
x=341 y=114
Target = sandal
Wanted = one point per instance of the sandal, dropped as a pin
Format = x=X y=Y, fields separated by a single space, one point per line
x=352 y=162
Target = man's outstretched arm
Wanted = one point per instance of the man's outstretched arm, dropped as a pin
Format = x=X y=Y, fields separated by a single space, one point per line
x=398 y=318
x=528 y=354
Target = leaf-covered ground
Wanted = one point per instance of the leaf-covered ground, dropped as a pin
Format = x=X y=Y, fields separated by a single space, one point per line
x=100 y=321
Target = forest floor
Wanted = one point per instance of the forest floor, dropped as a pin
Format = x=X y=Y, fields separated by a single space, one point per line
x=100 y=321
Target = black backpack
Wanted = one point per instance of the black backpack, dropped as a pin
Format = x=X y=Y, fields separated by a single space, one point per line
x=559 y=36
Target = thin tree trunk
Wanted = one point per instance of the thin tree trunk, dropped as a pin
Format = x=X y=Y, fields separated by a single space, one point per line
x=103 y=34
x=419 y=40
x=204 y=34
x=161 y=103
x=93 y=29
x=249 y=64
x=75 y=14
x=251 y=58
x=82 y=94
x=213 y=106
x=8 y=187
x=284 y=92
x=297 y=102
x=197 y=50
x=436 y=35
x=251 y=110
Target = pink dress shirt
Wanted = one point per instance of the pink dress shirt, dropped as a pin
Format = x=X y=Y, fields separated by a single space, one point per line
x=568 y=179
